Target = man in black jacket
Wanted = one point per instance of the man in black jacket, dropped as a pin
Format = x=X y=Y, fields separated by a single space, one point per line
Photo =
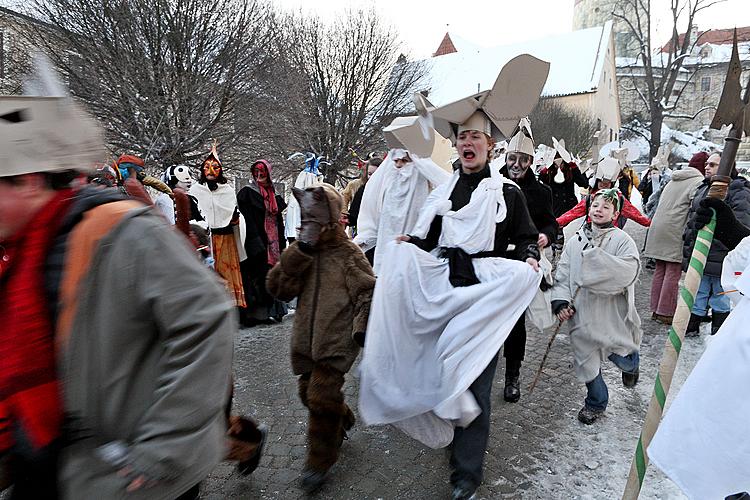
x=518 y=160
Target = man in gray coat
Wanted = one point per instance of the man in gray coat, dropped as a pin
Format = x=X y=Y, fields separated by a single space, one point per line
x=132 y=335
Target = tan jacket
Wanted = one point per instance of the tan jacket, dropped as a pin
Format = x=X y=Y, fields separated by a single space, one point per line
x=664 y=240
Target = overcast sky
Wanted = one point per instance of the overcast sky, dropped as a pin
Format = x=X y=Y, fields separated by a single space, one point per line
x=423 y=23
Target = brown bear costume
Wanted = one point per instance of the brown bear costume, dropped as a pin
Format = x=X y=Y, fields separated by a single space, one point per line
x=333 y=282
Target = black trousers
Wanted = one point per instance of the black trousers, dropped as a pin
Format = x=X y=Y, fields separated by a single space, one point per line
x=470 y=443
x=515 y=345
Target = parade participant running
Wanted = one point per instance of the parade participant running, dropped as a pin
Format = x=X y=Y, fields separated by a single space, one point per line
x=518 y=160
x=439 y=319
x=96 y=331
x=333 y=282
x=562 y=177
x=595 y=289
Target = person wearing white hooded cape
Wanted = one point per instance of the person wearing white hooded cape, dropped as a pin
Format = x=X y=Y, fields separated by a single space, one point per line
x=393 y=198
x=701 y=443
x=445 y=302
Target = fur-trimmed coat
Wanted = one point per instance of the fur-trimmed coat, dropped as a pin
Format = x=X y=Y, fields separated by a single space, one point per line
x=334 y=285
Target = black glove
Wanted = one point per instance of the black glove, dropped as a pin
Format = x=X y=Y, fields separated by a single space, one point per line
x=729 y=230
x=359 y=338
x=559 y=305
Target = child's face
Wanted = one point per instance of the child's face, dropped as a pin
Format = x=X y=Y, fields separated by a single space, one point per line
x=602 y=211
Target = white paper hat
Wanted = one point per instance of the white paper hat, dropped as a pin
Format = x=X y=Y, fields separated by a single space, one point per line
x=560 y=148
x=544 y=156
x=405 y=132
x=608 y=169
x=45 y=131
x=522 y=140
x=514 y=94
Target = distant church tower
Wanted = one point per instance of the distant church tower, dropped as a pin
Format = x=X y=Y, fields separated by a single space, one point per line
x=593 y=13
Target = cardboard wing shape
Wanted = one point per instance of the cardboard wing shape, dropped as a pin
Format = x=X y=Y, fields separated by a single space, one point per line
x=559 y=146
x=513 y=95
x=406 y=132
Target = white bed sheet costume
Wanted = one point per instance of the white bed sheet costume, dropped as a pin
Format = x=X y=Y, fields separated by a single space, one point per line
x=702 y=442
x=428 y=341
x=392 y=201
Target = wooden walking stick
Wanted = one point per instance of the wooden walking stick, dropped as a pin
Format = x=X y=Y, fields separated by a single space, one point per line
x=732 y=110
x=549 y=344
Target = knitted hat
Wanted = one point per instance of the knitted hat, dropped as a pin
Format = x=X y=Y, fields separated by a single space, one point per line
x=699 y=161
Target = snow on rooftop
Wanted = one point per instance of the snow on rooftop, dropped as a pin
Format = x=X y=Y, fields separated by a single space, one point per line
x=704 y=54
x=576 y=62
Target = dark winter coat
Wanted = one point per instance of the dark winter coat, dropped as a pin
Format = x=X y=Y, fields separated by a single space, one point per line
x=255 y=268
x=563 y=195
x=334 y=285
x=516 y=229
x=539 y=202
x=738 y=198
x=250 y=203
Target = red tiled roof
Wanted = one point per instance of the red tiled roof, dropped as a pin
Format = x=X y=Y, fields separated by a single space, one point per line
x=718 y=37
x=446 y=47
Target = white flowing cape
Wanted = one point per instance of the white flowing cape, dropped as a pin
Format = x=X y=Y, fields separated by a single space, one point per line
x=392 y=200
x=702 y=443
x=293 y=219
x=217 y=207
x=426 y=340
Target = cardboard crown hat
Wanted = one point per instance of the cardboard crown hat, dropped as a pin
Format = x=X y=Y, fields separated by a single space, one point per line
x=497 y=111
x=522 y=140
x=46 y=131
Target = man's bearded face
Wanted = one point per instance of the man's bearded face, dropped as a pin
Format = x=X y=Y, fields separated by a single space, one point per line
x=211 y=169
x=518 y=164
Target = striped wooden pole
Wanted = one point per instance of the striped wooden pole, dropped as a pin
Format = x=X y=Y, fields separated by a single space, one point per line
x=669 y=359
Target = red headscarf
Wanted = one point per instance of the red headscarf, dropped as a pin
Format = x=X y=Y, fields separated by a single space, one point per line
x=272 y=209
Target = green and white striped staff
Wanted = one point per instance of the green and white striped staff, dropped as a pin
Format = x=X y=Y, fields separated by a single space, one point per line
x=731 y=110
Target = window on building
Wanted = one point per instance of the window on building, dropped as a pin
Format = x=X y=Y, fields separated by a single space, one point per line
x=705 y=83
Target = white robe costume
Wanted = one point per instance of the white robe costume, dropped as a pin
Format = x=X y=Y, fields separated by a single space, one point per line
x=426 y=340
x=218 y=207
x=392 y=201
x=293 y=218
x=605 y=268
x=702 y=443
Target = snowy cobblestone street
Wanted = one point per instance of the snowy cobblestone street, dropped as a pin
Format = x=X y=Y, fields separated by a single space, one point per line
x=537 y=448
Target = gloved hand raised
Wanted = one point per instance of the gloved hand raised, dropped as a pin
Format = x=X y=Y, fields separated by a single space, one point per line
x=729 y=230
x=315 y=213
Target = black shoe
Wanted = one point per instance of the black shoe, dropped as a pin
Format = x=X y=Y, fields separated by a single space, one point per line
x=588 y=416
x=311 y=480
x=248 y=466
x=650 y=264
x=717 y=320
x=512 y=391
x=693 y=327
x=463 y=492
x=630 y=379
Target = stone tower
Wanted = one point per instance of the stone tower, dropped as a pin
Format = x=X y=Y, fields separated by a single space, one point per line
x=593 y=13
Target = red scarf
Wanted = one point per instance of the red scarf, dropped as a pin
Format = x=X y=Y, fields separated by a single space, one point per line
x=30 y=397
x=272 y=209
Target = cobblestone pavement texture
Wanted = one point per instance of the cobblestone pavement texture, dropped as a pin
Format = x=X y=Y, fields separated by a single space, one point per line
x=537 y=448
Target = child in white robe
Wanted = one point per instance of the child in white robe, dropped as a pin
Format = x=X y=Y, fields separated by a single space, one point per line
x=594 y=289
